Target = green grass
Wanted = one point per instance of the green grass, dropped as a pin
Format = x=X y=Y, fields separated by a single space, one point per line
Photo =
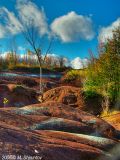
x=35 y=69
x=74 y=75
x=107 y=113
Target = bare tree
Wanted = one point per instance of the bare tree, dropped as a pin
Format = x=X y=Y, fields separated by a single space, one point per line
x=1 y=59
x=13 y=49
x=62 y=61
x=49 y=62
x=31 y=34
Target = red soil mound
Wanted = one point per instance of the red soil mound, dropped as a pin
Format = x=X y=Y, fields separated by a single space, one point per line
x=66 y=94
x=16 y=95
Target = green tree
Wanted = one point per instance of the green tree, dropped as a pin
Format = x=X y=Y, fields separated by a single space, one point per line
x=104 y=71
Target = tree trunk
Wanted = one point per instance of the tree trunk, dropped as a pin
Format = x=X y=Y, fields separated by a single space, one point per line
x=40 y=82
x=106 y=104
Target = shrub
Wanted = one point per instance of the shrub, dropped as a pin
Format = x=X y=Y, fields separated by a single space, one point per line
x=103 y=73
x=74 y=75
x=90 y=94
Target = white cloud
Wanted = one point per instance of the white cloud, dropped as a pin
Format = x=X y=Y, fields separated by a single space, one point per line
x=2 y=31
x=10 y=24
x=20 y=48
x=28 y=11
x=106 y=32
x=56 y=58
x=52 y=55
x=73 y=27
x=79 y=63
x=4 y=54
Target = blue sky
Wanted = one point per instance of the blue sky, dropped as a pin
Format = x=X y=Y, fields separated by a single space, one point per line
x=92 y=19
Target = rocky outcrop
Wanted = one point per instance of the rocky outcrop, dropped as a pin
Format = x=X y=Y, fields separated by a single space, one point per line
x=50 y=129
x=68 y=95
x=17 y=142
x=65 y=118
x=16 y=95
x=57 y=129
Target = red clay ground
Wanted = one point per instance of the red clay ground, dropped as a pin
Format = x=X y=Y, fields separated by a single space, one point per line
x=18 y=142
x=47 y=141
x=49 y=144
x=56 y=129
x=68 y=95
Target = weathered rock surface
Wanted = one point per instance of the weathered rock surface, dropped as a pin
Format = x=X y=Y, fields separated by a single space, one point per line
x=16 y=95
x=65 y=118
x=57 y=129
x=17 y=142
x=31 y=82
x=68 y=95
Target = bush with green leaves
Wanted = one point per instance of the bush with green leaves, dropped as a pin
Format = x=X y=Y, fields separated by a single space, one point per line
x=74 y=75
x=103 y=73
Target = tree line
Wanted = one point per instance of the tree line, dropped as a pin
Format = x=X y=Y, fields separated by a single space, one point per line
x=103 y=72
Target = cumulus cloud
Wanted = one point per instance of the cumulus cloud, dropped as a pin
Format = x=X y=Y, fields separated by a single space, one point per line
x=20 y=48
x=69 y=28
x=73 y=27
x=106 y=32
x=79 y=63
x=10 y=24
x=56 y=58
x=4 y=54
x=2 y=31
x=28 y=11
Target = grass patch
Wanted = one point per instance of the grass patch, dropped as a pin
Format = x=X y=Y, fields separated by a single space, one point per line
x=107 y=113
x=75 y=76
